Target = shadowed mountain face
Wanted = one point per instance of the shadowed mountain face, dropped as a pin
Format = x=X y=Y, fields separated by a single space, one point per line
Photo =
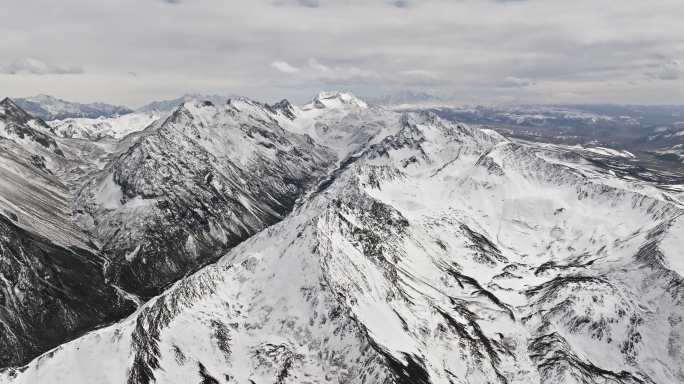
x=340 y=242
x=49 y=294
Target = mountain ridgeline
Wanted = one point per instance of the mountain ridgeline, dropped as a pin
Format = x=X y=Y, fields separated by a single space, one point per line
x=333 y=242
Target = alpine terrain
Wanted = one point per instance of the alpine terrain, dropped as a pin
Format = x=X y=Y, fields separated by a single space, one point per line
x=331 y=242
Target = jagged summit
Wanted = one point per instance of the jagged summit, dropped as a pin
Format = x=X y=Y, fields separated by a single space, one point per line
x=10 y=109
x=6 y=101
x=285 y=108
x=20 y=126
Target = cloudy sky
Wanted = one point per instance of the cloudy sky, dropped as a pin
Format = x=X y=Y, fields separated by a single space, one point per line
x=470 y=51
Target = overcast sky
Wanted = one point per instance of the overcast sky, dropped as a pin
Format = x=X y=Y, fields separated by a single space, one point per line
x=471 y=51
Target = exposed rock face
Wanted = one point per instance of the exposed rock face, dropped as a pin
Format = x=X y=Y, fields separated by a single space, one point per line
x=48 y=294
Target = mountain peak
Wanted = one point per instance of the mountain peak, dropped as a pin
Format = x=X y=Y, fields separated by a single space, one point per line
x=171 y=104
x=285 y=108
x=10 y=108
x=42 y=97
x=284 y=103
x=7 y=102
x=337 y=99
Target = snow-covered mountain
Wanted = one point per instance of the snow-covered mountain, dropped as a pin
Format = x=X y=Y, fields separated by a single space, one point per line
x=190 y=189
x=23 y=129
x=51 y=108
x=51 y=283
x=112 y=126
x=417 y=251
x=339 y=121
x=170 y=105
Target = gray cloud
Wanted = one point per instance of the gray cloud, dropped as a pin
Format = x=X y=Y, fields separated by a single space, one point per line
x=400 y=3
x=552 y=50
x=516 y=82
x=31 y=66
x=302 y=3
x=670 y=70
x=310 y=3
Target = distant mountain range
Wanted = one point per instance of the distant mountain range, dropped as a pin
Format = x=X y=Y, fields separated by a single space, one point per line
x=656 y=129
x=404 y=97
x=170 y=105
x=51 y=108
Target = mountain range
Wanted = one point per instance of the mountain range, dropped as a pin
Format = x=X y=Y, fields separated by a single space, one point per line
x=656 y=131
x=234 y=241
x=51 y=108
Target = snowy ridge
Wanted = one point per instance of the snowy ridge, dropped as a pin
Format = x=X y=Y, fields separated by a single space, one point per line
x=98 y=128
x=168 y=106
x=437 y=253
x=186 y=191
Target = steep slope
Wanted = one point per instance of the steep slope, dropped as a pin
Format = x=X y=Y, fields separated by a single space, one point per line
x=51 y=283
x=24 y=129
x=51 y=108
x=187 y=191
x=441 y=254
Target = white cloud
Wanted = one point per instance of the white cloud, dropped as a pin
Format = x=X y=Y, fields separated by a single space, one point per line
x=285 y=67
x=316 y=71
x=33 y=66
